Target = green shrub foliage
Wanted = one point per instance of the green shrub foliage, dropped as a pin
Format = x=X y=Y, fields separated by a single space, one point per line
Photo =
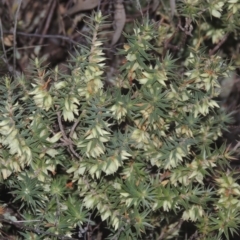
x=138 y=157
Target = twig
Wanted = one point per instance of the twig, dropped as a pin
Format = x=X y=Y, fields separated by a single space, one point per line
x=43 y=36
x=15 y=38
x=61 y=126
x=1 y=35
x=71 y=135
x=26 y=47
x=211 y=52
x=61 y=144
x=73 y=152
x=187 y=28
x=73 y=127
x=4 y=56
x=65 y=139
x=49 y=18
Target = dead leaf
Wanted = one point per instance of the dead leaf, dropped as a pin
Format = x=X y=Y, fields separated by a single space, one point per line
x=82 y=5
x=119 y=20
x=8 y=40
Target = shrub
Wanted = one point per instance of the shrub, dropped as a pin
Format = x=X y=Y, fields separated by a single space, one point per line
x=140 y=154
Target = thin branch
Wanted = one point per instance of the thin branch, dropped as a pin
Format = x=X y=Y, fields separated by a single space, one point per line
x=53 y=5
x=213 y=51
x=4 y=56
x=73 y=128
x=21 y=48
x=71 y=135
x=43 y=36
x=61 y=126
x=187 y=29
x=64 y=144
x=74 y=152
x=65 y=138
x=1 y=35
x=15 y=38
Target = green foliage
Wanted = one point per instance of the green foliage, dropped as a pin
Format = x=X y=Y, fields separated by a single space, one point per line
x=140 y=154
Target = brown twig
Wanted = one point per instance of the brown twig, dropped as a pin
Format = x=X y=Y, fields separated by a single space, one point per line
x=1 y=36
x=65 y=139
x=41 y=23
x=61 y=126
x=43 y=36
x=15 y=38
x=187 y=29
x=73 y=127
x=53 y=5
x=4 y=56
x=211 y=52
x=74 y=152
